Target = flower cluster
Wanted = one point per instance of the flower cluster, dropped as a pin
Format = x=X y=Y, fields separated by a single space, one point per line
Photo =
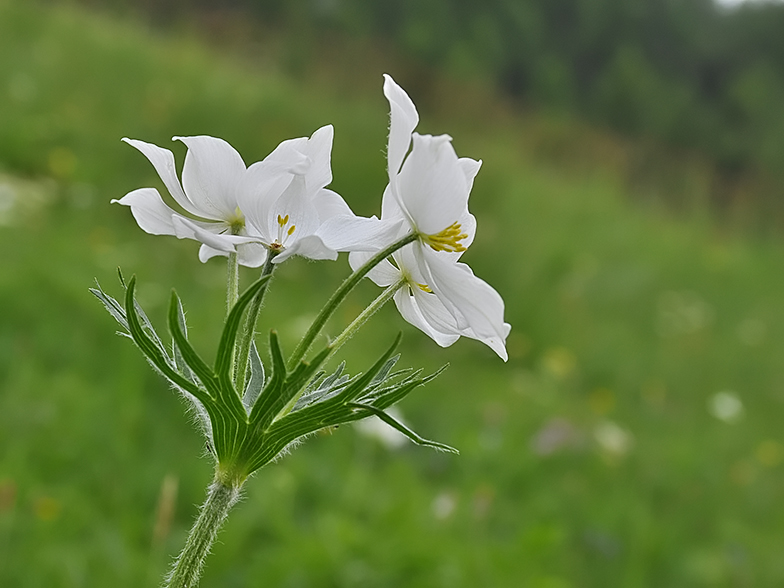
x=281 y=206
x=259 y=216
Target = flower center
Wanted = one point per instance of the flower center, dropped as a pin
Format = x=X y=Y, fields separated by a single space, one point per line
x=283 y=232
x=236 y=222
x=448 y=239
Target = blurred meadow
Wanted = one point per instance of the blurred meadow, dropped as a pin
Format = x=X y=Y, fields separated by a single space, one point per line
x=634 y=438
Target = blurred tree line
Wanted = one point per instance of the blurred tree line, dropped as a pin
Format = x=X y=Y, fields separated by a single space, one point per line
x=686 y=72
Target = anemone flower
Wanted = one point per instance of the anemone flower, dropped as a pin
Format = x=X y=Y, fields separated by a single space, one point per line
x=275 y=204
x=287 y=214
x=427 y=195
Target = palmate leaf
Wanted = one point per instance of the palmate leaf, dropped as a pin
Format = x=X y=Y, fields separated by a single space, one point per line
x=249 y=430
x=334 y=401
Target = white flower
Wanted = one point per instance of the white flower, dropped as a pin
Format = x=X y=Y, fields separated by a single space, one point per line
x=278 y=203
x=286 y=213
x=212 y=176
x=428 y=194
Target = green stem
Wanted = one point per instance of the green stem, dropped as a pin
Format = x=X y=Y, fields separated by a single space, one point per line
x=232 y=282
x=363 y=317
x=249 y=329
x=339 y=295
x=189 y=564
x=232 y=289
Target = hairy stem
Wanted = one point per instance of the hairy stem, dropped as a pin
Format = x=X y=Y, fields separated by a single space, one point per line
x=249 y=328
x=363 y=317
x=340 y=294
x=232 y=282
x=187 y=569
x=232 y=288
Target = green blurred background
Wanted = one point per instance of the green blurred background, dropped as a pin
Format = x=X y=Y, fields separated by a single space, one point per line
x=630 y=209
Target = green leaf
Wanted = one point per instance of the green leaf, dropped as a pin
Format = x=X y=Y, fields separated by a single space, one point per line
x=256 y=381
x=179 y=361
x=153 y=353
x=402 y=428
x=189 y=355
x=225 y=353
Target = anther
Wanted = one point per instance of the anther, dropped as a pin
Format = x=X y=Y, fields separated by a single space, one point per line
x=448 y=239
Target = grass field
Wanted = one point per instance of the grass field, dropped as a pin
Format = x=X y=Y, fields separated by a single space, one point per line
x=599 y=455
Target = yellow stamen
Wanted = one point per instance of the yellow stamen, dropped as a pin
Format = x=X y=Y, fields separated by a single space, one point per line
x=291 y=228
x=425 y=288
x=448 y=239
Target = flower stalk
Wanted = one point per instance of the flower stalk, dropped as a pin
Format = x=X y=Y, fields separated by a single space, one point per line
x=232 y=282
x=340 y=294
x=221 y=497
x=363 y=317
x=249 y=329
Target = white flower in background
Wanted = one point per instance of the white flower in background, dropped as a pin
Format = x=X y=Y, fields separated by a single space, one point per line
x=613 y=439
x=428 y=194
x=726 y=406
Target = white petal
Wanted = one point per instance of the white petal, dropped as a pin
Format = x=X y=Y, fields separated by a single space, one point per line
x=163 y=162
x=384 y=274
x=187 y=229
x=390 y=206
x=211 y=175
x=466 y=297
x=470 y=168
x=206 y=253
x=409 y=310
x=259 y=191
x=149 y=210
x=319 y=150
x=329 y=204
x=297 y=205
x=290 y=154
x=432 y=185
x=251 y=254
x=403 y=121
x=309 y=246
x=355 y=233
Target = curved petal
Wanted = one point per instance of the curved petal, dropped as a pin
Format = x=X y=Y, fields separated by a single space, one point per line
x=384 y=274
x=309 y=246
x=409 y=310
x=467 y=298
x=248 y=255
x=259 y=190
x=149 y=210
x=163 y=162
x=187 y=229
x=295 y=204
x=470 y=168
x=319 y=150
x=211 y=175
x=356 y=233
x=206 y=253
x=251 y=254
x=403 y=121
x=329 y=204
x=432 y=185
x=390 y=206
